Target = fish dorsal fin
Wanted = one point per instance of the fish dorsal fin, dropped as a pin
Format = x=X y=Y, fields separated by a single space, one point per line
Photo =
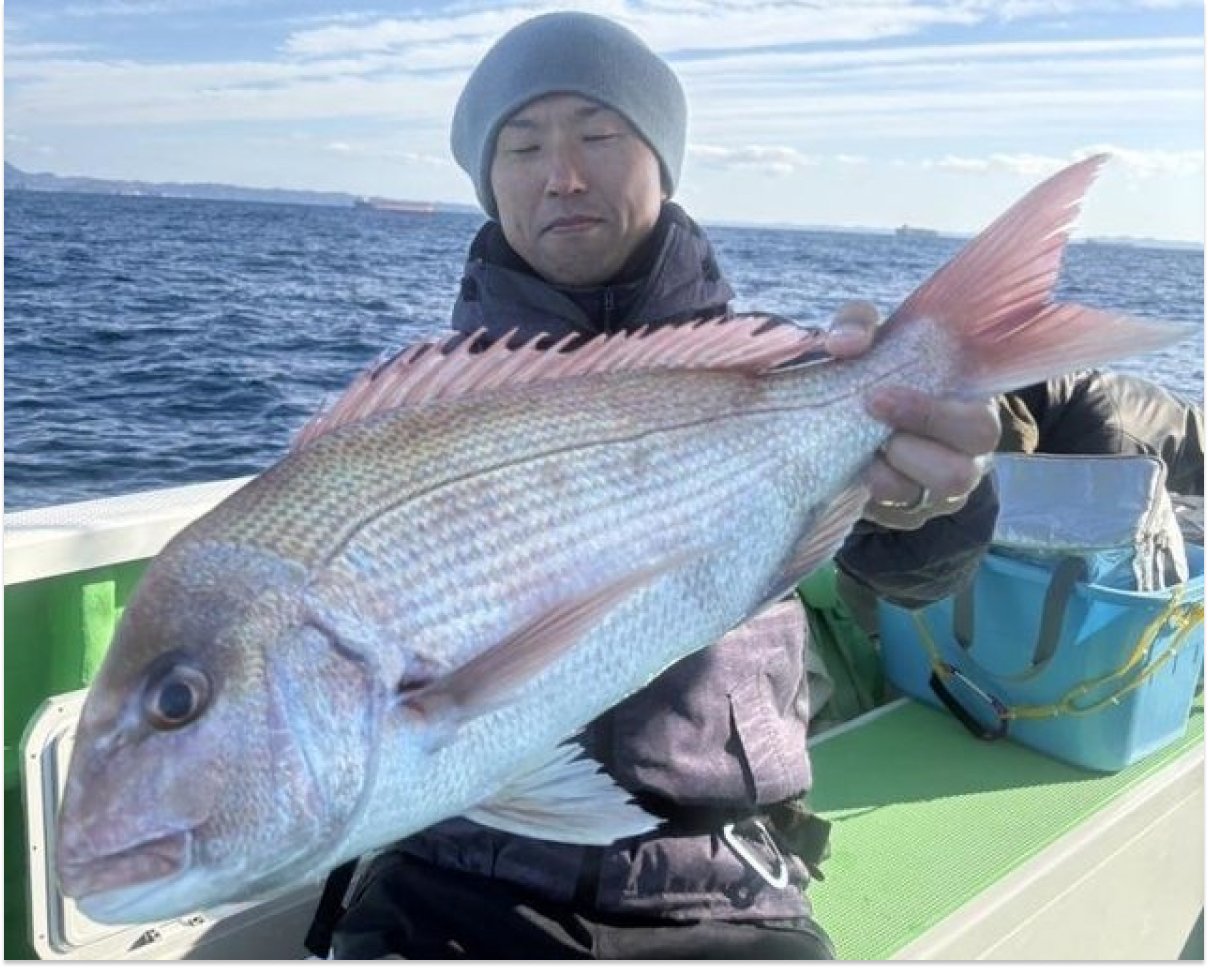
x=566 y=798
x=449 y=368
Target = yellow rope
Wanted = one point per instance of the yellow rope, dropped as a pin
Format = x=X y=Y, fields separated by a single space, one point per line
x=1183 y=619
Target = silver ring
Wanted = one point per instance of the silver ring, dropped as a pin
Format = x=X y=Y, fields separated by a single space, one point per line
x=920 y=502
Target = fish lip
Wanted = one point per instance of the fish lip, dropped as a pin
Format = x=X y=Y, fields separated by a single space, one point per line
x=150 y=861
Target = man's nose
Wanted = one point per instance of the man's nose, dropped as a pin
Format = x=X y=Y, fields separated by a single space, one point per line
x=565 y=175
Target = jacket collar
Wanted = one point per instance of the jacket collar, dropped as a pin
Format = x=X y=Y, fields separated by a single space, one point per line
x=672 y=277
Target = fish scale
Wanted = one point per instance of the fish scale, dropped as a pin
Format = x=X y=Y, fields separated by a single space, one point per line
x=534 y=537
x=443 y=441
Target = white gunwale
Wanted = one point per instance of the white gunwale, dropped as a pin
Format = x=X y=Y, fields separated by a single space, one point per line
x=68 y=538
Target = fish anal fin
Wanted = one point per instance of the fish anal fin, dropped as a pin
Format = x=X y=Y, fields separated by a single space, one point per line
x=566 y=798
x=825 y=536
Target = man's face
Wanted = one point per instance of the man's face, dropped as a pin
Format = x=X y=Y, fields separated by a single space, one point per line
x=577 y=188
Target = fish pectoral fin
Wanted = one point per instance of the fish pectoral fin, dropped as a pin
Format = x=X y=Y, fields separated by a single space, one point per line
x=567 y=798
x=825 y=536
x=488 y=680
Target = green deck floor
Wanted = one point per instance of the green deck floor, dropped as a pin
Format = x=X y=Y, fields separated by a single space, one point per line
x=926 y=817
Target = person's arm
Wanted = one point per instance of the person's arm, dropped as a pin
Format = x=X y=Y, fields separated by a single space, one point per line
x=914 y=568
x=1097 y=412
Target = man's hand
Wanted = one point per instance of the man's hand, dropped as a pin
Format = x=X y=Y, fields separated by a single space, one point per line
x=940 y=448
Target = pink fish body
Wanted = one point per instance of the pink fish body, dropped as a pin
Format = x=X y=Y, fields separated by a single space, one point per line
x=471 y=556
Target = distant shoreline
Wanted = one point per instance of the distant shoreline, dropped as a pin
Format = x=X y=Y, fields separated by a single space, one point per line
x=15 y=179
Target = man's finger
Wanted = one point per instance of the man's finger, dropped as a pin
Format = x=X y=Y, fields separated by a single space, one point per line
x=970 y=427
x=943 y=471
x=852 y=329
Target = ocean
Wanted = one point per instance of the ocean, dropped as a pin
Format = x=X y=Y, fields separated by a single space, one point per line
x=152 y=342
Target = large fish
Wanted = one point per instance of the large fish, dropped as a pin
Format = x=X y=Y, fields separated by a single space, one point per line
x=472 y=555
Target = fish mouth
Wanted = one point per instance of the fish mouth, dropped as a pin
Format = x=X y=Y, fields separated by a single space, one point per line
x=150 y=861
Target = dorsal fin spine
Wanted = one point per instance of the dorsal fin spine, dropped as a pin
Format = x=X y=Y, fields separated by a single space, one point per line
x=448 y=368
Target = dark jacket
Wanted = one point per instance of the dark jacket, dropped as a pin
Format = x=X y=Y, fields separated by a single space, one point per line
x=722 y=734
x=1092 y=412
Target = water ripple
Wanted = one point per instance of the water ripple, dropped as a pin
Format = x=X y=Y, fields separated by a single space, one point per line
x=187 y=341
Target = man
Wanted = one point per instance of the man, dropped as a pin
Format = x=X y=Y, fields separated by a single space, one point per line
x=572 y=131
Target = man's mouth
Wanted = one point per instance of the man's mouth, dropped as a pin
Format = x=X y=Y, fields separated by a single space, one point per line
x=572 y=223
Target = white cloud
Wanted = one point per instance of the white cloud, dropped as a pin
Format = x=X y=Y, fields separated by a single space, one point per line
x=669 y=27
x=1137 y=162
x=39 y=51
x=387 y=153
x=1152 y=163
x=775 y=87
x=146 y=8
x=393 y=34
x=771 y=159
x=1017 y=164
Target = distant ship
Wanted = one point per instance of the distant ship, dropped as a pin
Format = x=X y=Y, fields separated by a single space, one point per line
x=394 y=205
x=913 y=232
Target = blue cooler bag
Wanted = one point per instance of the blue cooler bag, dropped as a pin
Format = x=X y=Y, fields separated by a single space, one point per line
x=1049 y=649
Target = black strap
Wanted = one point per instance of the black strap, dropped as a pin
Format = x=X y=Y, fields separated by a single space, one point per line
x=801 y=831
x=329 y=910
x=691 y=819
x=1067 y=573
x=967 y=719
x=962 y=616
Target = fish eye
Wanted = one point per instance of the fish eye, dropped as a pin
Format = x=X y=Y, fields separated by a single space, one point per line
x=176 y=697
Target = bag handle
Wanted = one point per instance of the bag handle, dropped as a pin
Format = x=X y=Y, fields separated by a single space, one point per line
x=1067 y=573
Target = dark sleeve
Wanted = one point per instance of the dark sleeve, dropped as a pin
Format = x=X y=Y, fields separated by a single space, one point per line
x=1096 y=412
x=914 y=568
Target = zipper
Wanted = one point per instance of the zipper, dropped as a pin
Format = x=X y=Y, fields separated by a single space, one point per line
x=609 y=307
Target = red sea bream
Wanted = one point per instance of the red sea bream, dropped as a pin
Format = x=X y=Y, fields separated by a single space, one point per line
x=472 y=555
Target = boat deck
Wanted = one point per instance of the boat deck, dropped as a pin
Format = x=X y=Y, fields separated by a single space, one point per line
x=945 y=846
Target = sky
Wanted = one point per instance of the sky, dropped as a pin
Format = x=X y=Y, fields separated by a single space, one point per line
x=857 y=113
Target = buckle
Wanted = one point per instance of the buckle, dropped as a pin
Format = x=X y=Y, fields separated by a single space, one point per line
x=780 y=878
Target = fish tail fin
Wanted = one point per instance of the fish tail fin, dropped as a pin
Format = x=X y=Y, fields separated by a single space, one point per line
x=995 y=298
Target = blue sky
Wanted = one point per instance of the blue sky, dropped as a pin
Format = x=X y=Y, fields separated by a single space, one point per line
x=860 y=113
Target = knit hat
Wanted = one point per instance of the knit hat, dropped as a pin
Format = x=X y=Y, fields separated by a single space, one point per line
x=569 y=53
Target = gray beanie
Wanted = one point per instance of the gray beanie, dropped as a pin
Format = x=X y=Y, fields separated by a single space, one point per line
x=569 y=53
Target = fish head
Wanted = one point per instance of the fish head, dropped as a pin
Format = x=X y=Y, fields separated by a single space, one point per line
x=207 y=764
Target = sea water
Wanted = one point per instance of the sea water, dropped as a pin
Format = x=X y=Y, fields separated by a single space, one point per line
x=152 y=342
